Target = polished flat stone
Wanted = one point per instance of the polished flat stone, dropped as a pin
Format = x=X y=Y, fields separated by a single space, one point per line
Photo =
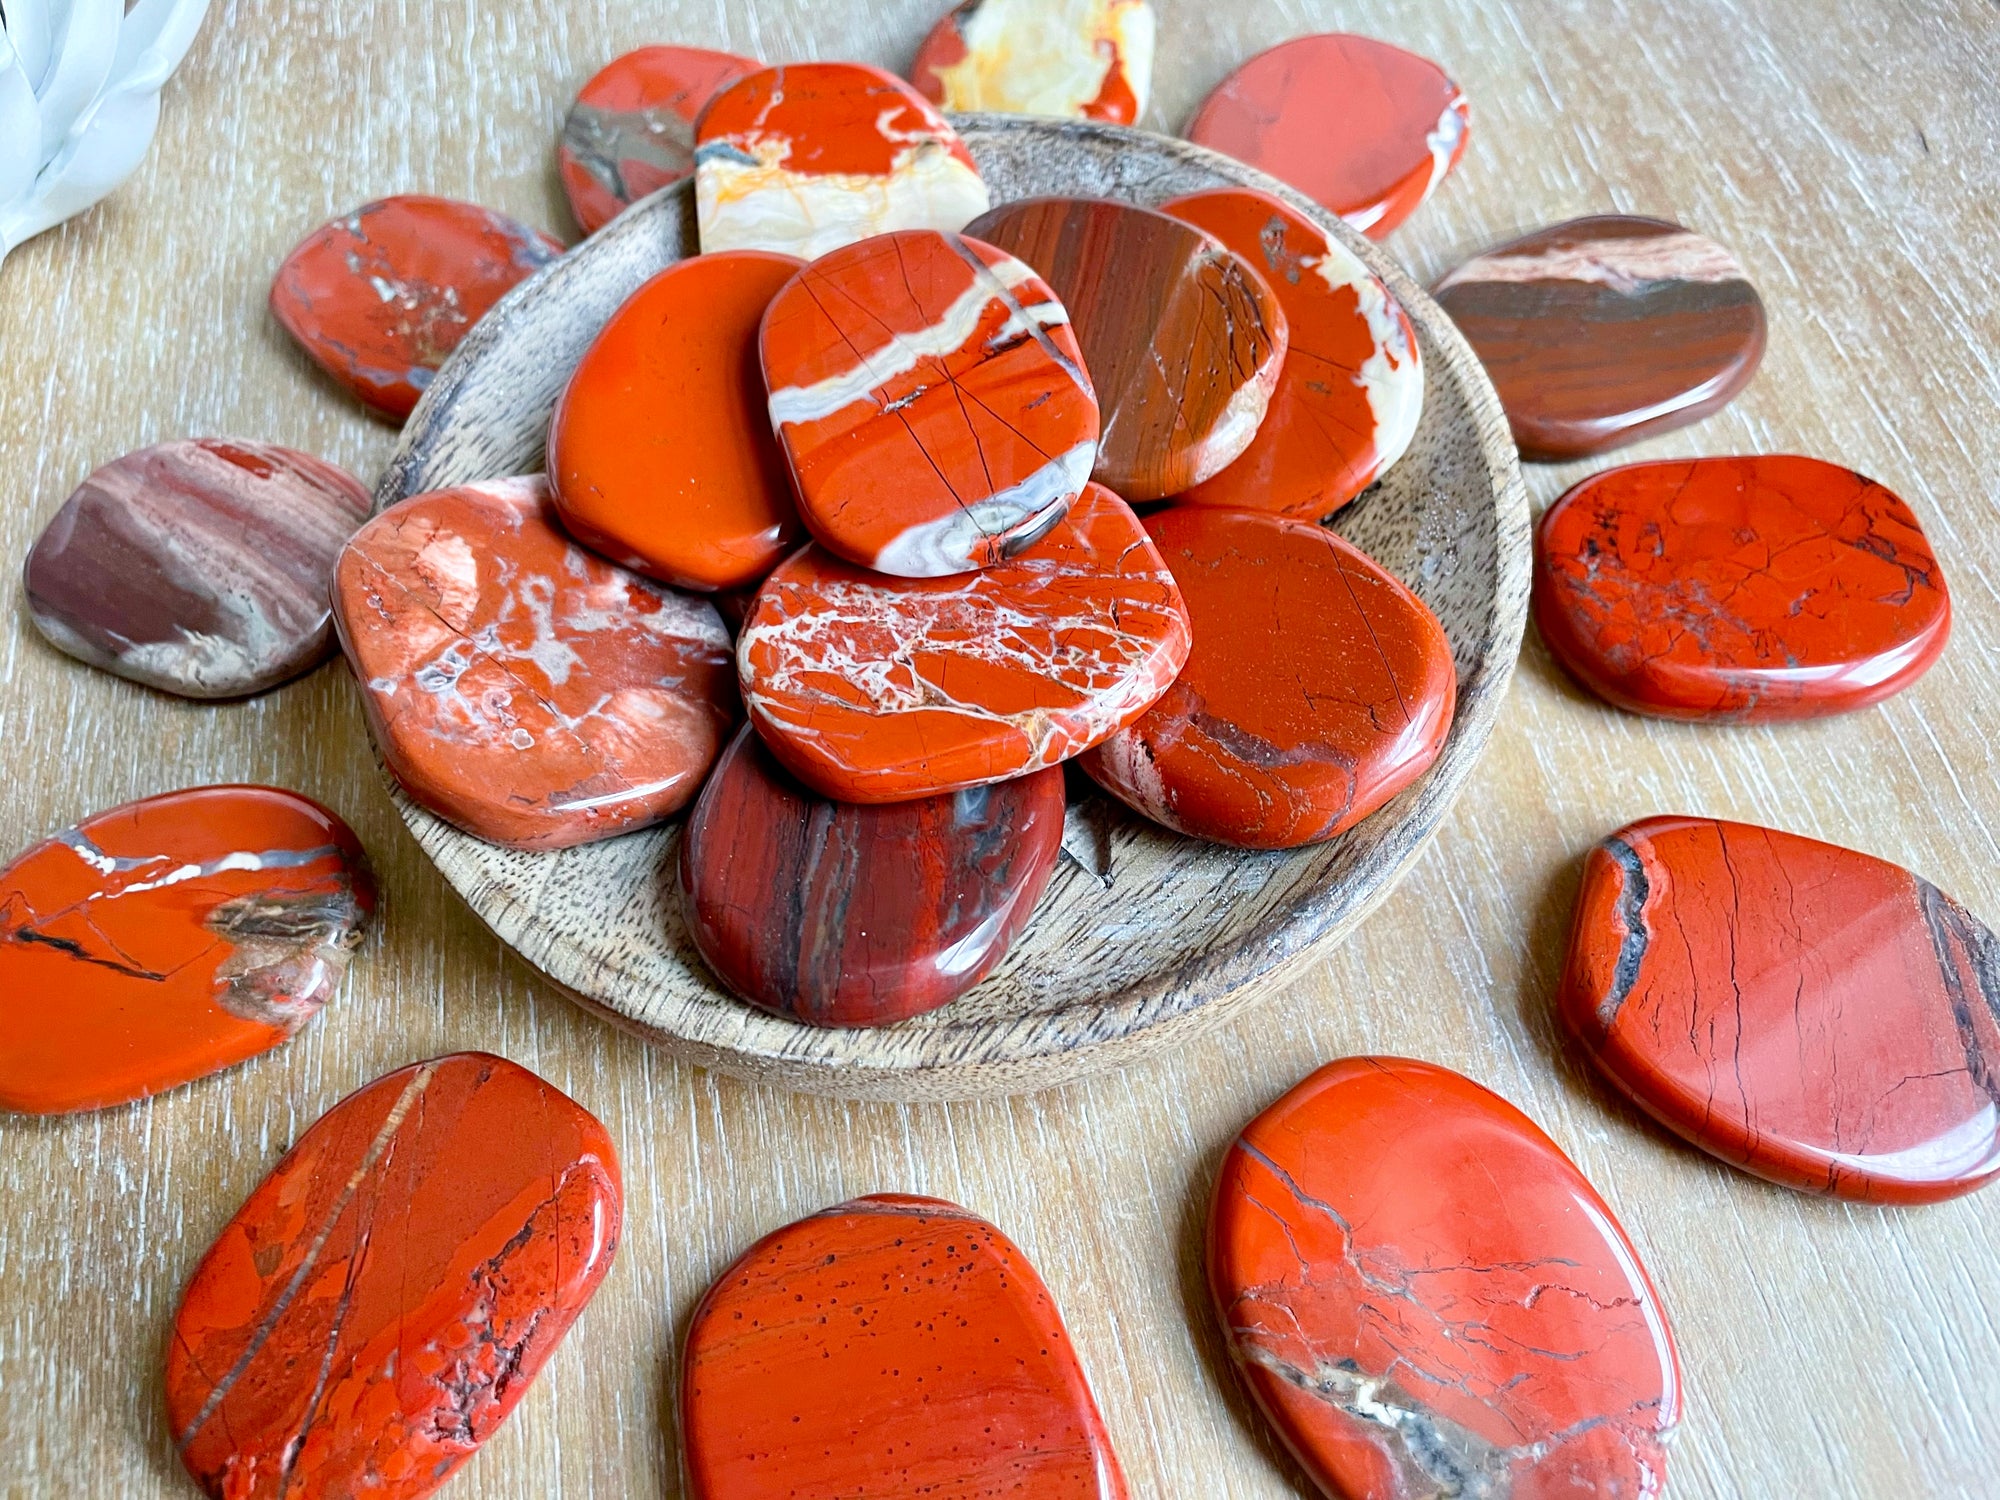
x=198 y=567
x=1601 y=331
x=1745 y=590
x=805 y=158
x=932 y=402
x=661 y=455
x=1427 y=1298
x=1819 y=1017
x=1317 y=689
x=891 y=1346
x=387 y=1295
x=1073 y=59
x=380 y=297
x=1351 y=392
x=1364 y=128
x=631 y=130
x=517 y=686
x=1182 y=338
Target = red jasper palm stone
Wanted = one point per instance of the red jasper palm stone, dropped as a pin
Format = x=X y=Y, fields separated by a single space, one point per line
x=1092 y=61
x=932 y=401
x=1820 y=1018
x=1753 y=589
x=878 y=689
x=889 y=1346
x=1427 y=1298
x=386 y=1296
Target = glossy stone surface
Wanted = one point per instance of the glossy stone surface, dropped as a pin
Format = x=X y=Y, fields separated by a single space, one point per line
x=631 y=130
x=877 y=689
x=380 y=297
x=806 y=158
x=890 y=1346
x=160 y=941
x=1364 y=128
x=1426 y=1297
x=1351 y=392
x=1816 y=1016
x=532 y=694
x=1182 y=339
x=1602 y=331
x=198 y=567
x=1747 y=589
x=844 y=915
x=1318 y=687
x=660 y=453
x=1079 y=59
x=931 y=400
x=386 y=1296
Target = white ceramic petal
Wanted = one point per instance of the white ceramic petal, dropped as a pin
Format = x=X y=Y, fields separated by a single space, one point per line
x=84 y=49
x=98 y=156
x=155 y=37
x=20 y=127
x=31 y=24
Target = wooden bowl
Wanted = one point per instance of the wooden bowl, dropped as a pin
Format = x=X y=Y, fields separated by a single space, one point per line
x=1185 y=935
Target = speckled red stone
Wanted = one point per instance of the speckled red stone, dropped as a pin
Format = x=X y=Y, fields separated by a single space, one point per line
x=1818 y=1017
x=387 y=1295
x=1427 y=1298
x=381 y=296
x=891 y=1346
x=1750 y=589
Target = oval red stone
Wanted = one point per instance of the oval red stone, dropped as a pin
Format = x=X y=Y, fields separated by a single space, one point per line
x=1820 y=1018
x=891 y=1345
x=1427 y=1298
x=1091 y=60
x=1365 y=128
x=517 y=686
x=932 y=402
x=386 y=1296
x=1318 y=687
x=168 y=938
x=1752 y=589
x=877 y=689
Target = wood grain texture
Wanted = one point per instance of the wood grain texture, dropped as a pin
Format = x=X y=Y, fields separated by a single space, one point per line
x=1843 y=149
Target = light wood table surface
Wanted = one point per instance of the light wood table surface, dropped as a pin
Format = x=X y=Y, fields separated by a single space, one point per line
x=1845 y=149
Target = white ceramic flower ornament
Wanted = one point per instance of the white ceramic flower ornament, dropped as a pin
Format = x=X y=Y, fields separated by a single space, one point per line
x=80 y=88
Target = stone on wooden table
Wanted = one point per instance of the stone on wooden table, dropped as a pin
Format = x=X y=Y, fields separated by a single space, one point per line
x=1351 y=392
x=805 y=158
x=387 y=1295
x=1362 y=127
x=932 y=402
x=660 y=453
x=522 y=689
x=1317 y=689
x=631 y=130
x=1427 y=1298
x=1077 y=59
x=877 y=689
x=168 y=938
x=1182 y=338
x=1819 y=1017
x=890 y=1346
x=1601 y=331
x=199 y=567
x=381 y=296
x=1745 y=589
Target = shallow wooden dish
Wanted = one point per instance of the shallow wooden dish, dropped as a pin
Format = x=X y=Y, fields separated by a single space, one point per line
x=1185 y=935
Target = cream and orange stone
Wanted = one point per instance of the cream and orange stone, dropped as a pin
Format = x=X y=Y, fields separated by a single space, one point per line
x=1087 y=59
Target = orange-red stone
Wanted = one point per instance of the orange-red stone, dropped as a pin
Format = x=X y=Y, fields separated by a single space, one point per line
x=1351 y=391
x=1820 y=1018
x=891 y=1346
x=1318 y=687
x=878 y=689
x=519 y=687
x=1427 y=1298
x=380 y=297
x=168 y=938
x=386 y=1296
x=660 y=454
x=932 y=402
x=1087 y=59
